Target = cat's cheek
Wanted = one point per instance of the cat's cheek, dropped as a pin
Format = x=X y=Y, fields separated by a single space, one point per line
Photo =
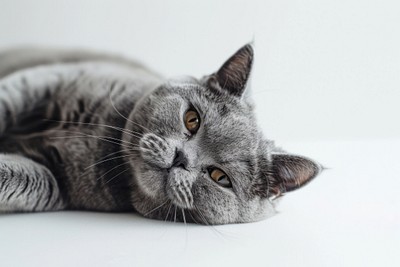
x=157 y=151
x=151 y=182
x=256 y=209
x=215 y=204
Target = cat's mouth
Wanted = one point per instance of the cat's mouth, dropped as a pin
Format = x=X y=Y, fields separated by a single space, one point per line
x=178 y=187
x=171 y=166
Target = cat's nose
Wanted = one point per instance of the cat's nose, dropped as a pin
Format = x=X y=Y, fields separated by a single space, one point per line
x=180 y=160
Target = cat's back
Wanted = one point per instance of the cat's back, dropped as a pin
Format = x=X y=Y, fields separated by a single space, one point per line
x=21 y=58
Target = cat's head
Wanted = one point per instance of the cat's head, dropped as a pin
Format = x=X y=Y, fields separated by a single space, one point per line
x=201 y=156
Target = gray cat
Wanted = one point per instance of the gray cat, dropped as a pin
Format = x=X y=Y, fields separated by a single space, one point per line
x=87 y=131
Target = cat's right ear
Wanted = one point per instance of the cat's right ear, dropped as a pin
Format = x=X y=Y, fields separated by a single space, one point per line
x=233 y=76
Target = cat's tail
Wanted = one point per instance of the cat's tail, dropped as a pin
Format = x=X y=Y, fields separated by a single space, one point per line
x=15 y=59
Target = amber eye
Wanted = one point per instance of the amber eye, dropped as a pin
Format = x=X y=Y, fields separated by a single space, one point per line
x=192 y=121
x=220 y=177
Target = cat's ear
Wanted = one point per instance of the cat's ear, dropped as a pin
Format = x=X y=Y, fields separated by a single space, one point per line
x=290 y=172
x=234 y=74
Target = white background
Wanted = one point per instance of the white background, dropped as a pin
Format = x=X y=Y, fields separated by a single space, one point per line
x=326 y=83
x=324 y=69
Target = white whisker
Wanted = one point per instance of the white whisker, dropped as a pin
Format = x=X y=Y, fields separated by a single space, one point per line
x=119 y=113
x=133 y=133
x=110 y=170
x=102 y=136
x=112 y=178
x=208 y=224
x=93 y=136
x=147 y=213
x=166 y=217
x=108 y=155
x=105 y=160
x=186 y=227
x=175 y=215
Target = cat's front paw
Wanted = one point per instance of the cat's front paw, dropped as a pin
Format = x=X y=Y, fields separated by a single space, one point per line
x=156 y=150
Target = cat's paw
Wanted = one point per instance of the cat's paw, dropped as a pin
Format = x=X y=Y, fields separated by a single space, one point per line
x=156 y=150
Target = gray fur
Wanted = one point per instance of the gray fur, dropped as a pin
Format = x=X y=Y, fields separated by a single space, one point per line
x=87 y=131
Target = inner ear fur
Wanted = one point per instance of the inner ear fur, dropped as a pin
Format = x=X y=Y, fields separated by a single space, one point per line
x=234 y=74
x=281 y=172
x=291 y=172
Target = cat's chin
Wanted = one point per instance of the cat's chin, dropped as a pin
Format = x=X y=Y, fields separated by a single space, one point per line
x=160 y=189
x=161 y=184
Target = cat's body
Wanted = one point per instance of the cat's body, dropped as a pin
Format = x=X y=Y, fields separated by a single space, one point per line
x=87 y=131
x=69 y=101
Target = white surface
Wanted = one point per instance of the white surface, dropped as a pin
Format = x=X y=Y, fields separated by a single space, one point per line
x=349 y=216
x=325 y=70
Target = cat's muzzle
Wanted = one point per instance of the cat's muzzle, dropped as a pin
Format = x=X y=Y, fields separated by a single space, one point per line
x=179 y=185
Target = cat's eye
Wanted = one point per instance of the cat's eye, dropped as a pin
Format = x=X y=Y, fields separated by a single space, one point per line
x=192 y=121
x=220 y=177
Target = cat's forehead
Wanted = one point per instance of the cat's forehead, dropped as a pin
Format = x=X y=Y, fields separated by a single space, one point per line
x=230 y=137
x=229 y=132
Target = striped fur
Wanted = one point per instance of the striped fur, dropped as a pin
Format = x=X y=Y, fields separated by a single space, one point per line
x=87 y=131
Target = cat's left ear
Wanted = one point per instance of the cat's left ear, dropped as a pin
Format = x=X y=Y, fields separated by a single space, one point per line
x=233 y=76
x=287 y=173
x=290 y=172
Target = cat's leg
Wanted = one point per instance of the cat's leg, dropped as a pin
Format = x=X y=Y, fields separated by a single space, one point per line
x=27 y=186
